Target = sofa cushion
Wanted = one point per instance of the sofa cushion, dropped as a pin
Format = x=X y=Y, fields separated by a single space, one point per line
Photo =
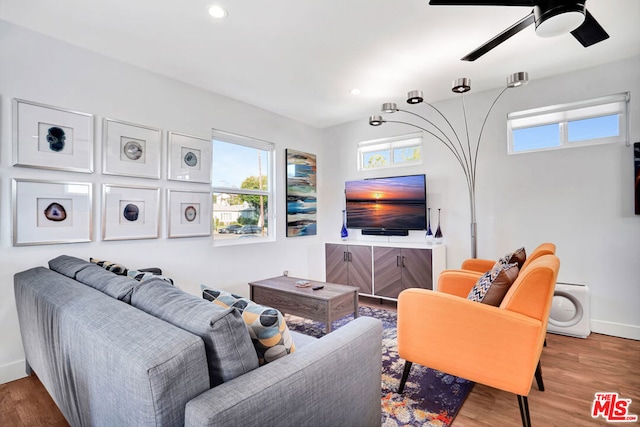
x=116 y=286
x=67 y=265
x=227 y=343
x=493 y=285
x=110 y=266
x=269 y=331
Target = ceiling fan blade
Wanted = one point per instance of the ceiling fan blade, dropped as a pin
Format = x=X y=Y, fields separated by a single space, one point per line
x=509 y=32
x=590 y=32
x=482 y=3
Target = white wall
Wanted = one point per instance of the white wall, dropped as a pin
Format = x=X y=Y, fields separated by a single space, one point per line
x=581 y=199
x=40 y=69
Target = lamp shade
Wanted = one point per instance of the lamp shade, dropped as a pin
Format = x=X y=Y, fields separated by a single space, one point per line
x=375 y=120
x=415 y=97
x=389 y=107
x=520 y=78
x=461 y=85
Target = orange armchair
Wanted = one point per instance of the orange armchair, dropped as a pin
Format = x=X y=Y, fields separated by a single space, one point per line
x=496 y=346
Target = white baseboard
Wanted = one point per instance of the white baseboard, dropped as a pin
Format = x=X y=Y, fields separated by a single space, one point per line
x=12 y=371
x=615 y=329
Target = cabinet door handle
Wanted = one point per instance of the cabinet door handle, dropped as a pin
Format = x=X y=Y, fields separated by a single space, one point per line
x=349 y=257
x=402 y=261
x=344 y=256
x=397 y=260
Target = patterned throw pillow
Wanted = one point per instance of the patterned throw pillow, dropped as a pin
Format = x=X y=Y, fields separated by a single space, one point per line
x=141 y=276
x=493 y=285
x=110 y=266
x=519 y=256
x=267 y=327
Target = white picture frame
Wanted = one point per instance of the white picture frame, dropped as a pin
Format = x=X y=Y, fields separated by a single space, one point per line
x=48 y=137
x=188 y=213
x=130 y=213
x=131 y=150
x=189 y=158
x=51 y=212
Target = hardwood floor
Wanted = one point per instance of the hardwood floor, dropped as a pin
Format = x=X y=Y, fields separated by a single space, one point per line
x=574 y=369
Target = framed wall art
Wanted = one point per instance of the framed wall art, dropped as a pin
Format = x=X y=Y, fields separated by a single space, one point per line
x=636 y=163
x=189 y=158
x=49 y=137
x=130 y=212
x=51 y=212
x=189 y=213
x=130 y=149
x=301 y=193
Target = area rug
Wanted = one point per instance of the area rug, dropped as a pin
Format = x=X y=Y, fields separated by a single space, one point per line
x=430 y=398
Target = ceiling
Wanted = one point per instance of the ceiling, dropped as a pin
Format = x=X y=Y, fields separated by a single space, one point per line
x=301 y=58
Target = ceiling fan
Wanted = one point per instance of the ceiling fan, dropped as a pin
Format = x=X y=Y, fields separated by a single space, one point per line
x=552 y=18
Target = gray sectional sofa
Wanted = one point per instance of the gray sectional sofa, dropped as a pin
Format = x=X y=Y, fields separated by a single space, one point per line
x=112 y=351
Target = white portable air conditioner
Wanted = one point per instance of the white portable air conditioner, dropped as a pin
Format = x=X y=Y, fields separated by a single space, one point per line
x=570 y=310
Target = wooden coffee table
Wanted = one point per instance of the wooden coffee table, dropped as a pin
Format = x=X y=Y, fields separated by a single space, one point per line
x=330 y=303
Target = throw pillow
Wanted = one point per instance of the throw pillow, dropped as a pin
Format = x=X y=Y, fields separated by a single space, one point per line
x=519 y=256
x=110 y=266
x=141 y=276
x=493 y=285
x=267 y=327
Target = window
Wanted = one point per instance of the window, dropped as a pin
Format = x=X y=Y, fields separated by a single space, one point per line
x=596 y=121
x=402 y=150
x=242 y=186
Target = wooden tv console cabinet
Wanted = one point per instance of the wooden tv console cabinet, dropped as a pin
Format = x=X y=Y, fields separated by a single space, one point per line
x=383 y=270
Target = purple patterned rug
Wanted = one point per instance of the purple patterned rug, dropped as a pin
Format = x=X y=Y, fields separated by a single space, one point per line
x=431 y=398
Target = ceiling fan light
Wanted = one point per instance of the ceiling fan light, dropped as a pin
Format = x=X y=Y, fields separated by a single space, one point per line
x=461 y=85
x=389 y=107
x=520 y=78
x=415 y=97
x=553 y=21
x=375 y=120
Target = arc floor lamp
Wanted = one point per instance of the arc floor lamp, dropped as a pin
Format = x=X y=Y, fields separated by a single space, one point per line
x=465 y=152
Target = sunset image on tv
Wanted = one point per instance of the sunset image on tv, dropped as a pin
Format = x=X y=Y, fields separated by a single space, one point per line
x=389 y=203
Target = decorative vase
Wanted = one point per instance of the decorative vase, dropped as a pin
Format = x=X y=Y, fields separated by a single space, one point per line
x=344 y=233
x=439 y=238
x=429 y=236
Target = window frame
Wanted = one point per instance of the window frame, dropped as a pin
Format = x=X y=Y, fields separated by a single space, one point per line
x=390 y=144
x=564 y=114
x=269 y=192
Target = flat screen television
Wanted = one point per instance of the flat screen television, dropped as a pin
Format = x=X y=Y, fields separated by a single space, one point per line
x=387 y=206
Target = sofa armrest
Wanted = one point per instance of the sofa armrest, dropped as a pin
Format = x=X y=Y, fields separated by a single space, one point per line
x=478 y=265
x=306 y=388
x=479 y=342
x=457 y=282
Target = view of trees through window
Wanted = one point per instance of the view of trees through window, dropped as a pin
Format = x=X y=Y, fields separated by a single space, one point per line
x=397 y=151
x=241 y=187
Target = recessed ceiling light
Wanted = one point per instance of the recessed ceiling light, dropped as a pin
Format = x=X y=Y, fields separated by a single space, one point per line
x=355 y=91
x=217 y=11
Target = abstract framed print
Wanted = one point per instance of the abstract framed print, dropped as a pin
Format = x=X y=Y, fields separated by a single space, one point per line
x=131 y=150
x=189 y=213
x=51 y=212
x=189 y=158
x=47 y=137
x=130 y=213
x=301 y=194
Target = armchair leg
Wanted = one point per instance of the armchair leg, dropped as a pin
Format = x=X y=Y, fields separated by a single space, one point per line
x=523 y=402
x=405 y=375
x=539 y=377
